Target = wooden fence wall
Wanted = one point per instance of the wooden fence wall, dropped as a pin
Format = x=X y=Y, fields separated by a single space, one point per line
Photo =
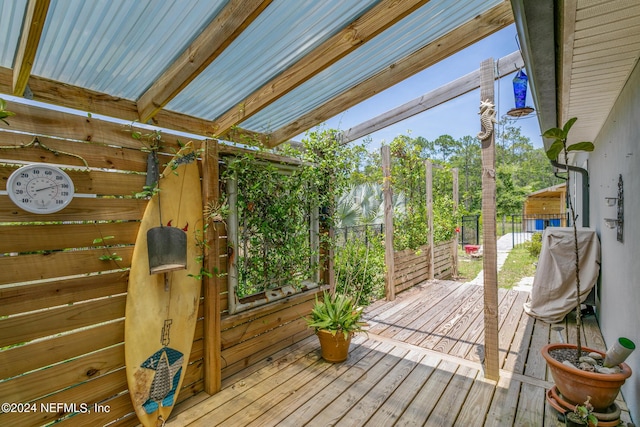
x=412 y=266
x=62 y=308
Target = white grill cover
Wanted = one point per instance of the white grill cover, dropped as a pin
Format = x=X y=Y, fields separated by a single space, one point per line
x=553 y=294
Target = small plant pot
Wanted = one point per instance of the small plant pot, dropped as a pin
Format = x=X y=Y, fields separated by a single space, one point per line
x=334 y=348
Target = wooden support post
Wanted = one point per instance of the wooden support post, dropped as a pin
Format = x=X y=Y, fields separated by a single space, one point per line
x=212 y=339
x=388 y=222
x=490 y=264
x=429 y=181
x=454 y=249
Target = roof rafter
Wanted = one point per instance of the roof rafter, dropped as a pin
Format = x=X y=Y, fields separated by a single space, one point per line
x=85 y=100
x=458 y=87
x=29 y=39
x=369 y=25
x=454 y=41
x=218 y=35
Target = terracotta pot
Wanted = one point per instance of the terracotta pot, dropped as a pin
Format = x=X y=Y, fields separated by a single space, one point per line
x=334 y=348
x=576 y=385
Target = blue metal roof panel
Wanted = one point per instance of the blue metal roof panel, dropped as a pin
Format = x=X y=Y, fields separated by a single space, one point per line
x=118 y=46
x=430 y=22
x=11 y=18
x=279 y=37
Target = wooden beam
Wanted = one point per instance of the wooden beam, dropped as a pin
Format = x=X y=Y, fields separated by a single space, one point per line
x=213 y=40
x=6 y=80
x=85 y=100
x=429 y=186
x=212 y=285
x=465 y=84
x=467 y=34
x=454 y=249
x=363 y=29
x=489 y=258
x=29 y=40
x=387 y=193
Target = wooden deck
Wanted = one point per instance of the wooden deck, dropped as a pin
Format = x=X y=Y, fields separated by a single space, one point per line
x=420 y=364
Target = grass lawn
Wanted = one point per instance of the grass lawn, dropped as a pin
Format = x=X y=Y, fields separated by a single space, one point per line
x=468 y=268
x=519 y=264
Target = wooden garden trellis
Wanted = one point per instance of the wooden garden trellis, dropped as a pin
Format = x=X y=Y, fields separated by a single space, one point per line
x=454 y=243
x=390 y=276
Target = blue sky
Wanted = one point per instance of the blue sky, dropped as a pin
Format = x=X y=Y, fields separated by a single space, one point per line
x=458 y=117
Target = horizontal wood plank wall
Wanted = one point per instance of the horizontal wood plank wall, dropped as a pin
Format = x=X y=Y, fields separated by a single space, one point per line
x=412 y=266
x=443 y=260
x=61 y=307
x=250 y=336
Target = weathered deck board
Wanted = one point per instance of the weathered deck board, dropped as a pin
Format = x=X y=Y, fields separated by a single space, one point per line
x=326 y=396
x=276 y=414
x=389 y=412
x=418 y=365
x=375 y=398
x=346 y=400
x=428 y=396
x=453 y=398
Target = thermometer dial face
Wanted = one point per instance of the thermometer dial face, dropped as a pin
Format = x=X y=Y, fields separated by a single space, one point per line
x=40 y=188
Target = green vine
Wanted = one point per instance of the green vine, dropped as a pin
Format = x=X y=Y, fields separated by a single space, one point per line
x=4 y=113
x=408 y=179
x=274 y=205
x=109 y=256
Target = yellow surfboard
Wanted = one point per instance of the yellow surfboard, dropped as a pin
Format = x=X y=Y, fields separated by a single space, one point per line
x=162 y=301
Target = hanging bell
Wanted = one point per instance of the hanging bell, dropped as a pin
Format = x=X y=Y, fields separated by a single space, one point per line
x=167 y=248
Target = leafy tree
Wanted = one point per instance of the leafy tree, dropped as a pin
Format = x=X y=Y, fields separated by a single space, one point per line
x=446 y=147
x=468 y=160
x=509 y=197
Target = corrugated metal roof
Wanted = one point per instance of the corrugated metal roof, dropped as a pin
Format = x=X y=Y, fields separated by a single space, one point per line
x=11 y=14
x=192 y=65
x=117 y=46
x=278 y=38
x=431 y=21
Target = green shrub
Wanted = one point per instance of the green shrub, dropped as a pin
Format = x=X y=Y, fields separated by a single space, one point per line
x=360 y=268
x=534 y=246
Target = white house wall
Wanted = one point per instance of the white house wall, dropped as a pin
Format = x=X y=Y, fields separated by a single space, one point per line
x=617 y=151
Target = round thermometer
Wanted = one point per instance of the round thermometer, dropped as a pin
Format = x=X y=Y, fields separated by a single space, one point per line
x=40 y=188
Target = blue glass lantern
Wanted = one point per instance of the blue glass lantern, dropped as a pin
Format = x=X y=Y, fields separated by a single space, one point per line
x=520 y=88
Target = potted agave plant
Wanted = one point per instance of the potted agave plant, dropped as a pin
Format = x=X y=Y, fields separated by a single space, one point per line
x=335 y=318
x=575 y=384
